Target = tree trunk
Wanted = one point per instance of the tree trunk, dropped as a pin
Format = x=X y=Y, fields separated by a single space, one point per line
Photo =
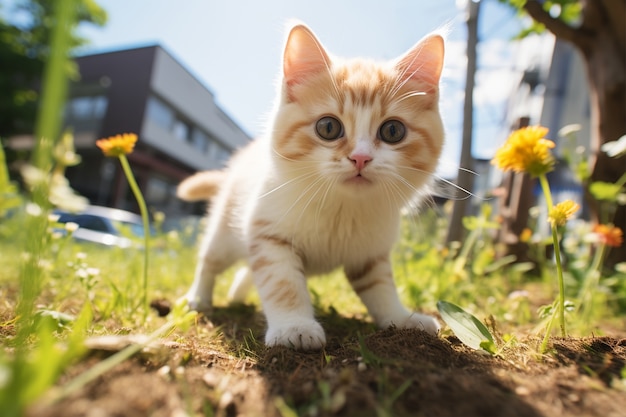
x=607 y=75
x=465 y=178
x=601 y=38
x=514 y=205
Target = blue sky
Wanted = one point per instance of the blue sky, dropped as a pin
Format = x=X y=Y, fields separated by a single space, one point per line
x=234 y=47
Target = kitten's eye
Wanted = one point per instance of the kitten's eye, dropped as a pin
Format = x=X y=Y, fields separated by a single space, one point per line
x=392 y=131
x=329 y=128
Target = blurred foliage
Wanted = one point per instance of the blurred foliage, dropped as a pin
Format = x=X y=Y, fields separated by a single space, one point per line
x=9 y=196
x=566 y=10
x=25 y=32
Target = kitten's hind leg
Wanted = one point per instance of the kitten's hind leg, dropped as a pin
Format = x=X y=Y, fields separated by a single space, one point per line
x=218 y=251
x=241 y=286
x=373 y=282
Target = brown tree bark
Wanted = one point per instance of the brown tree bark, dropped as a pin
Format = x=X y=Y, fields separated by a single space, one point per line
x=465 y=179
x=601 y=38
x=515 y=202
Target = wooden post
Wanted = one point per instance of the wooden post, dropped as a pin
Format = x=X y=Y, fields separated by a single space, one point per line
x=514 y=207
x=465 y=179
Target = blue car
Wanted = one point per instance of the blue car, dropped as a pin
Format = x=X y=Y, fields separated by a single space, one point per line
x=105 y=226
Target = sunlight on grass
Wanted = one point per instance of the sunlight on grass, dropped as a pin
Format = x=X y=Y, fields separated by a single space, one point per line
x=75 y=277
x=118 y=147
x=56 y=292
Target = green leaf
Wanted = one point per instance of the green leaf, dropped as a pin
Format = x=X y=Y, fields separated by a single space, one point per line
x=571 y=11
x=522 y=267
x=57 y=319
x=605 y=190
x=471 y=223
x=488 y=346
x=466 y=327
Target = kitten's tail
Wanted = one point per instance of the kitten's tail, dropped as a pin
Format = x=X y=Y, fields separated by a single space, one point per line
x=201 y=186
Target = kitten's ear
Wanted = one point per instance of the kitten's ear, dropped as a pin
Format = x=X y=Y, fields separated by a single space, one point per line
x=424 y=61
x=304 y=55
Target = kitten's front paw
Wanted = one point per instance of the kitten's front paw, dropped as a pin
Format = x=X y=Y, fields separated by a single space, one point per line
x=198 y=304
x=421 y=321
x=305 y=335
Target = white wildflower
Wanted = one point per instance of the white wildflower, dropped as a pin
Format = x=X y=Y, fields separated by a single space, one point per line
x=569 y=129
x=33 y=209
x=63 y=196
x=616 y=148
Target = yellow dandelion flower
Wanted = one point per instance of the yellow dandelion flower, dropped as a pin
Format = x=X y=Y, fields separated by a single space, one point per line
x=562 y=212
x=609 y=235
x=117 y=145
x=526 y=150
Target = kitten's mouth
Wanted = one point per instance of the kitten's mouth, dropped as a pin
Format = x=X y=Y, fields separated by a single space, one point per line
x=358 y=179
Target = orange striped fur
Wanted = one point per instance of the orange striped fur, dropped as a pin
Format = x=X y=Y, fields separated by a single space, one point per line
x=351 y=143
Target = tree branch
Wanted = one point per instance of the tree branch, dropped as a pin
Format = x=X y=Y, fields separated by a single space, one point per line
x=615 y=12
x=559 y=28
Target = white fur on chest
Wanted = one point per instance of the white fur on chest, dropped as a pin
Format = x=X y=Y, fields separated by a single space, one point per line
x=332 y=230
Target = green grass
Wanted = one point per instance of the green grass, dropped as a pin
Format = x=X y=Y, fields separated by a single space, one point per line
x=84 y=290
x=54 y=292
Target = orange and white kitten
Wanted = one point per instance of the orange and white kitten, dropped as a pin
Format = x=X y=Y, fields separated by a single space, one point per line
x=351 y=143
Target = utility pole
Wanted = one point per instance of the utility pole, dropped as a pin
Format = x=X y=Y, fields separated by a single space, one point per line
x=465 y=177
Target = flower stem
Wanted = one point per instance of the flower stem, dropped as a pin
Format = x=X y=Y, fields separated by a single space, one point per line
x=545 y=187
x=590 y=283
x=543 y=180
x=559 y=270
x=594 y=270
x=461 y=260
x=146 y=228
x=546 y=337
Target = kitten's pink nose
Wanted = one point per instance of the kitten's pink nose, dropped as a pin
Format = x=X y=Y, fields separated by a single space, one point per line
x=360 y=160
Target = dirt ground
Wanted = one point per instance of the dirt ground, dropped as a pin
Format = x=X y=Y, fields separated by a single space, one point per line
x=221 y=368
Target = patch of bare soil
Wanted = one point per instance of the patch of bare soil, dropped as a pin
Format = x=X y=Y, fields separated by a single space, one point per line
x=362 y=372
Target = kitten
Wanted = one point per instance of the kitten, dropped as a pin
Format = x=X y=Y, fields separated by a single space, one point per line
x=351 y=143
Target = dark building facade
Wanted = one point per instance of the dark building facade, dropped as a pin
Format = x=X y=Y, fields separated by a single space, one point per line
x=145 y=91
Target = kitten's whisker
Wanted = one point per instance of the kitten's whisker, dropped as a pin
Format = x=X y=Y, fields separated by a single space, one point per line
x=403 y=75
x=411 y=187
x=445 y=181
x=329 y=185
x=469 y=171
x=410 y=94
x=432 y=173
x=391 y=188
x=286 y=183
x=458 y=187
x=301 y=164
x=297 y=200
x=388 y=194
x=410 y=202
x=415 y=195
x=403 y=78
x=458 y=168
x=310 y=166
x=312 y=197
x=327 y=64
x=287 y=159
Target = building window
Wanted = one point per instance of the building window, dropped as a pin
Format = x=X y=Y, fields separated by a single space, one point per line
x=218 y=152
x=158 y=191
x=223 y=154
x=160 y=113
x=181 y=130
x=86 y=107
x=184 y=131
x=199 y=140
